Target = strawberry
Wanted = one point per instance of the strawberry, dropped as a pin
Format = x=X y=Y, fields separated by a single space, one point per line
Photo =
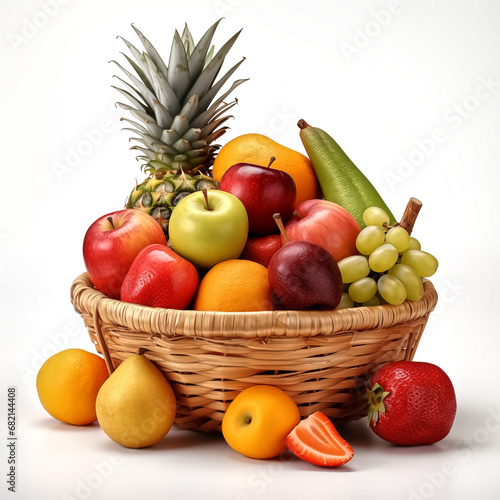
x=316 y=440
x=411 y=403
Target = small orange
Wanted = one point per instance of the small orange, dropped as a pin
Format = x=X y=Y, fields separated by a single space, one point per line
x=257 y=422
x=235 y=285
x=68 y=383
x=258 y=150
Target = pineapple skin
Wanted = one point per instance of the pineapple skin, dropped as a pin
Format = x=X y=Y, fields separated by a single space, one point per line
x=158 y=195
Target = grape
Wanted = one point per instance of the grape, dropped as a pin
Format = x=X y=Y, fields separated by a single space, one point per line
x=370 y=238
x=383 y=258
x=363 y=289
x=423 y=262
x=414 y=244
x=374 y=301
x=391 y=289
x=380 y=298
x=375 y=216
x=410 y=279
x=345 y=301
x=398 y=237
x=353 y=268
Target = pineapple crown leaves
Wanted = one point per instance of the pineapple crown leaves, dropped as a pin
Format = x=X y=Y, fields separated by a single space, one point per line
x=172 y=106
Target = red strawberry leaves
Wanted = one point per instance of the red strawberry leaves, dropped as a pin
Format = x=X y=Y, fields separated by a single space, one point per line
x=376 y=404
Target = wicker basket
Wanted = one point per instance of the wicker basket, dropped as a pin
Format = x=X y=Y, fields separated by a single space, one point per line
x=322 y=359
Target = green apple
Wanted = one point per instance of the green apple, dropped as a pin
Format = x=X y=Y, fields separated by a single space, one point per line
x=208 y=227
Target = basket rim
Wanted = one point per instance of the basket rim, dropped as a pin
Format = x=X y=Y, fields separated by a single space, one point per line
x=170 y=322
x=216 y=324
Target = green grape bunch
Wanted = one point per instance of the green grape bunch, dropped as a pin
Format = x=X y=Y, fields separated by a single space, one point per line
x=390 y=266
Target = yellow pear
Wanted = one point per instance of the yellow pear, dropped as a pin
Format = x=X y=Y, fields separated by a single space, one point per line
x=136 y=405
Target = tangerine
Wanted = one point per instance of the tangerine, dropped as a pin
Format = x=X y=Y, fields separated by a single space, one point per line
x=258 y=149
x=235 y=285
x=258 y=420
x=68 y=383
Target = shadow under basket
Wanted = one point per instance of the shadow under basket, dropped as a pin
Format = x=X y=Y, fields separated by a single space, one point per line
x=322 y=359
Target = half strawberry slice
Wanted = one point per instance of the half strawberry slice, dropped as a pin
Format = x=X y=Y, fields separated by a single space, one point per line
x=316 y=440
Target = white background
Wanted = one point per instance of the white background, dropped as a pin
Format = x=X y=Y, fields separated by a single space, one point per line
x=410 y=90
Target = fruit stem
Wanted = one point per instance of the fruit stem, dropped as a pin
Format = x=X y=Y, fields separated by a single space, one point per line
x=410 y=214
x=302 y=124
x=205 y=194
x=271 y=161
x=279 y=223
x=376 y=395
x=110 y=220
x=297 y=214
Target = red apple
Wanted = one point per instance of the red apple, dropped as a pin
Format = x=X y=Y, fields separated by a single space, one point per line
x=326 y=224
x=159 y=277
x=261 y=248
x=111 y=244
x=263 y=191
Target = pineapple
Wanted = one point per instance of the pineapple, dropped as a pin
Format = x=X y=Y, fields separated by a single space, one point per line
x=175 y=119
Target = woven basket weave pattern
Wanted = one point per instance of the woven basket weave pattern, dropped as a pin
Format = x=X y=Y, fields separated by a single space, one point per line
x=322 y=359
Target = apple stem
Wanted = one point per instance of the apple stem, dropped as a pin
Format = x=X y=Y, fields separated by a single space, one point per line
x=297 y=214
x=110 y=220
x=205 y=194
x=271 y=161
x=279 y=223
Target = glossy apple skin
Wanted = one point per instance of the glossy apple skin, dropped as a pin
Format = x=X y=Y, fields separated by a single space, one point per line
x=207 y=237
x=258 y=420
x=326 y=224
x=263 y=191
x=303 y=275
x=159 y=277
x=261 y=248
x=109 y=249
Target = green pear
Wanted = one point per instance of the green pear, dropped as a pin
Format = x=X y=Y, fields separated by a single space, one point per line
x=136 y=405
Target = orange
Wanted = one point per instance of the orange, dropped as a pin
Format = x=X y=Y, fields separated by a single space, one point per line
x=235 y=285
x=68 y=383
x=258 y=420
x=258 y=149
